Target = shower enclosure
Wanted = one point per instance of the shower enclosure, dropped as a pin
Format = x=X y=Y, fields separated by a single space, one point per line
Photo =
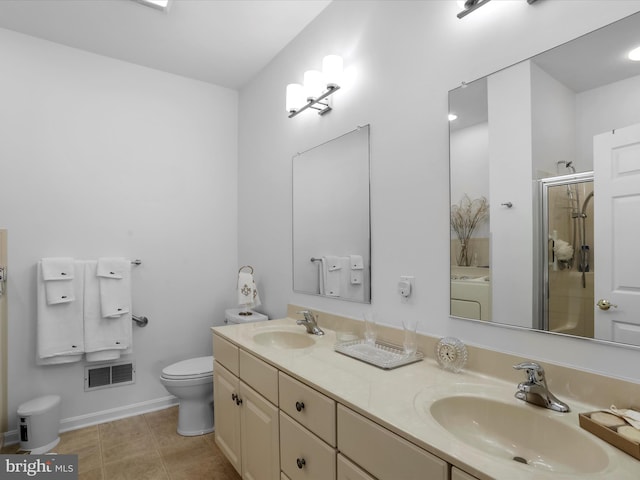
x=566 y=265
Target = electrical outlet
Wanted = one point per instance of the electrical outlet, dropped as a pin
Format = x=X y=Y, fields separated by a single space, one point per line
x=405 y=286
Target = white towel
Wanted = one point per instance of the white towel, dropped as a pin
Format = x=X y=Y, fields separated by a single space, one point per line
x=333 y=263
x=60 y=327
x=58 y=276
x=57 y=268
x=104 y=338
x=114 y=276
x=247 y=290
x=356 y=262
x=332 y=275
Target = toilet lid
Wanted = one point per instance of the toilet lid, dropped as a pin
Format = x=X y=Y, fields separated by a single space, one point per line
x=191 y=368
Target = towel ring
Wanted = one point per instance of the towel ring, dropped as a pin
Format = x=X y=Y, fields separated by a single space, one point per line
x=246 y=266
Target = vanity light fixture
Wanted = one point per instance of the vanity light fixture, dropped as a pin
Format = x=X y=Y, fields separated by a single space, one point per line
x=634 y=54
x=316 y=89
x=157 y=4
x=471 y=5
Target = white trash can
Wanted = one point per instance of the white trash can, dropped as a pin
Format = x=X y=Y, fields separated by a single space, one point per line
x=39 y=424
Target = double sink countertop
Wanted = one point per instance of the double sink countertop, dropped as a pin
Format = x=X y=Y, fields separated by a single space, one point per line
x=399 y=400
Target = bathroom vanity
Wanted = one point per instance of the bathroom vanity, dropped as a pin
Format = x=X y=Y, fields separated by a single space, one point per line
x=287 y=406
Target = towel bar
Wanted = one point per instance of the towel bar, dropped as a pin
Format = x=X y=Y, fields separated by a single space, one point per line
x=140 y=321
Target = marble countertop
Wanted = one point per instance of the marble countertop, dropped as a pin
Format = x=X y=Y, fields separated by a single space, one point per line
x=397 y=399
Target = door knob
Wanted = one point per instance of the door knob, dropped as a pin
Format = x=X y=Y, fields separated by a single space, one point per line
x=605 y=304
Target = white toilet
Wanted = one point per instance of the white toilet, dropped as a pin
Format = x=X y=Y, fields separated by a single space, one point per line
x=192 y=382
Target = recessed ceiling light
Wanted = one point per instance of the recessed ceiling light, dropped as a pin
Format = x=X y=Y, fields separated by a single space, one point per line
x=159 y=4
x=635 y=54
x=452 y=117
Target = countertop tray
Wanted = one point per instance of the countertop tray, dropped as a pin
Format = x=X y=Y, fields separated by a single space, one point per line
x=381 y=354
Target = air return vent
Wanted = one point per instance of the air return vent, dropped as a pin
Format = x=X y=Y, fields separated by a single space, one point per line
x=112 y=375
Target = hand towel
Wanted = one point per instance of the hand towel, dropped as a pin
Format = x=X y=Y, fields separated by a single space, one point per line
x=114 y=276
x=356 y=277
x=58 y=276
x=247 y=290
x=108 y=336
x=356 y=262
x=59 y=326
x=333 y=263
x=57 y=268
x=113 y=267
x=332 y=275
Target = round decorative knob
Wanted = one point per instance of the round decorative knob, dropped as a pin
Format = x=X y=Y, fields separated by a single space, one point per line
x=300 y=462
x=605 y=304
x=299 y=406
x=234 y=397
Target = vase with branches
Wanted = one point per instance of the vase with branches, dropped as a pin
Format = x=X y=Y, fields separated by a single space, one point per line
x=465 y=217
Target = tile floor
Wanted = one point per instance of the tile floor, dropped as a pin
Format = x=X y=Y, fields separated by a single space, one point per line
x=145 y=447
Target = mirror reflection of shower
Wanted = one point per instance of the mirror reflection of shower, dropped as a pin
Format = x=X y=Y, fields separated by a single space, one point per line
x=567 y=269
x=578 y=213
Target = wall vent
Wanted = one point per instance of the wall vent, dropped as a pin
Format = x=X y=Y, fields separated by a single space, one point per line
x=112 y=375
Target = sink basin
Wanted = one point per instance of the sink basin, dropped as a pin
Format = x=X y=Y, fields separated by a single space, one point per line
x=517 y=433
x=284 y=339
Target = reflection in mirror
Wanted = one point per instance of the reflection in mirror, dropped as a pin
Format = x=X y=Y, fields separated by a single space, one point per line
x=331 y=219
x=524 y=139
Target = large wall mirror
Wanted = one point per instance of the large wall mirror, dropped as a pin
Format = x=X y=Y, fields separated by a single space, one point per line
x=545 y=190
x=331 y=219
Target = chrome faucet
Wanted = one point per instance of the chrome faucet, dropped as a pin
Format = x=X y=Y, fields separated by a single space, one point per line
x=309 y=322
x=535 y=389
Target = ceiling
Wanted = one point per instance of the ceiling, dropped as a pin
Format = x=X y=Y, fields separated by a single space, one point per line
x=224 y=42
x=590 y=61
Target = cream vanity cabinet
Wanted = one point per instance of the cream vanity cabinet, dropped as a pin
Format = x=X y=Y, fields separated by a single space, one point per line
x=246 y=413
x=307 y=432
x=272 y=426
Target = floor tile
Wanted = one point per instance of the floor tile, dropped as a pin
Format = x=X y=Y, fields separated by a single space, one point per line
x=143 y=447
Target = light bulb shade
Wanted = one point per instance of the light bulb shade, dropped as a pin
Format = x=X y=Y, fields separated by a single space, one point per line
x=313 y=85
x=295 y=97
x=332 y=67
x=635 y=54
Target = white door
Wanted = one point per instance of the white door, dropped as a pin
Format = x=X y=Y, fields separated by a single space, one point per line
x=616 y=166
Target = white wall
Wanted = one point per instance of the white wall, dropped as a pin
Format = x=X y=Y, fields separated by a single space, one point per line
x=104 y=158
x=469 y=154
x=603 y=109
x=553 y=123
x=401 y=59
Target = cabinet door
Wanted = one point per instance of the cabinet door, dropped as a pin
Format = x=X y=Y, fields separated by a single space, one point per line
x=260 y=436
x=303 y=456
x=348 y=470
x=227 y=414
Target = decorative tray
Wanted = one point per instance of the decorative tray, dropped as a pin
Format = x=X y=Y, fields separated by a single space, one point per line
x=381 y=354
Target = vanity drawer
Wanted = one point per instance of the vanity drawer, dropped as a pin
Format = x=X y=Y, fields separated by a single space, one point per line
x=226 y=353
x=382 y=453
x=457 y=474
x=348 y=470
x=309 y=407
x=261 y=376
x=303 y=456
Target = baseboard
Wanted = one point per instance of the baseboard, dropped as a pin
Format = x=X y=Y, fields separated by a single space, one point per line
x=73 y=423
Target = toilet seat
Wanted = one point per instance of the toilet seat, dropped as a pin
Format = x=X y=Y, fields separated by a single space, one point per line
x=199 y=367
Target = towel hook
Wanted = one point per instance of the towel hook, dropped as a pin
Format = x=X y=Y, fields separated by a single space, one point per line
x=246 y=266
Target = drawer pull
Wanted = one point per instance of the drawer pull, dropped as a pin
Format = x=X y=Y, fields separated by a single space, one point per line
x=299 y=406
x=300 y=462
